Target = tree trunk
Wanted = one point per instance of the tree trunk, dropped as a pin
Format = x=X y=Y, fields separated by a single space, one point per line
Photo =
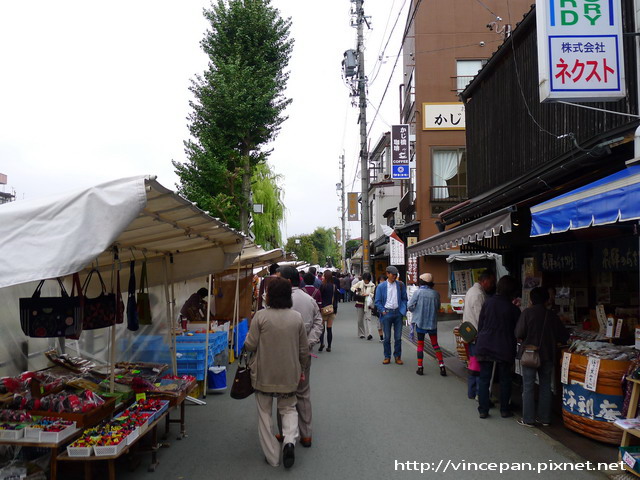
x=246 y=195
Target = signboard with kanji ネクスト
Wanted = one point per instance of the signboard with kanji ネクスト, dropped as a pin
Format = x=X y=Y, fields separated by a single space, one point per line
x=580 y=50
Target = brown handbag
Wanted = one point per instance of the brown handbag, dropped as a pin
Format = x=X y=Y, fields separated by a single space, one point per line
x=328 y=310
x=530 y=356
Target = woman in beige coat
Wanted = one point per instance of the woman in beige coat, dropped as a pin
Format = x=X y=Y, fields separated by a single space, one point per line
x=279 y=338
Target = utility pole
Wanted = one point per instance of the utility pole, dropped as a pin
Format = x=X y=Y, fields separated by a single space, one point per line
x=344 y=246
x=364 y=154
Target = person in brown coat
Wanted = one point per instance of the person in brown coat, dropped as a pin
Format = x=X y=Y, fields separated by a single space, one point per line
x=279 y=338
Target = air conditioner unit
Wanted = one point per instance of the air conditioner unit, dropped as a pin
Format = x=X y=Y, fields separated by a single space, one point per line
x=383 y=177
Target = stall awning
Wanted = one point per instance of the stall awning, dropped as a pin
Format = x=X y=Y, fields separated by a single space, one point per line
x=486 y=227
x=615 y=198
x=60 y=235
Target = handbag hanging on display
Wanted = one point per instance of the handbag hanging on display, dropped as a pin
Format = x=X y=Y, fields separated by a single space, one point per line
x=99 y=312
x=242 y=387
x=120 y=308
x=530 y=356
x=144 y=305
x=132 y=308
x=328 y=310
x=48 y=317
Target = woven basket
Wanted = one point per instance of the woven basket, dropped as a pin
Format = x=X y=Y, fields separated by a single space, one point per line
x=602 y=431
x=460 y=346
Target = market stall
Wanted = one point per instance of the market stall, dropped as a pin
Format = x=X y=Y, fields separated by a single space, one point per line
x=124 y=229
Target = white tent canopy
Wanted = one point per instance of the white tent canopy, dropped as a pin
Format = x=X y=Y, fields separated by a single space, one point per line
x=135 y=217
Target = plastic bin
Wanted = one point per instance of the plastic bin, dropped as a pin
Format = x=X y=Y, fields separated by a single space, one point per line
x=217 y=379
x=240 y=335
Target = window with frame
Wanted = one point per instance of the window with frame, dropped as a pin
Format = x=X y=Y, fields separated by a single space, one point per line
x=466 y=70
x=449 y=174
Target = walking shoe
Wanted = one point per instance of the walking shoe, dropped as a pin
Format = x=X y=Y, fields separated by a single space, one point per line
x=508 y=414
x=443 y=371
x=306 y=442
x=399 y=361
x=525 y=424
x=362 y=337
x=288 y=455
x=321 y=347
x=279 y=437
x=369 y=337
x=328 y=349
x=484 y=415
x=382 y=340
x=386 y=361
x=544 y=424
x=420 y=371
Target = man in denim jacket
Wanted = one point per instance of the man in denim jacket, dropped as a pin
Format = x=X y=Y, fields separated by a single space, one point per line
x=391 y=302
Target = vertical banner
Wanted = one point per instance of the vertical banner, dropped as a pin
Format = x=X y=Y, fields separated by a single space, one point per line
x=352 y=206
x=396 y=250
x=591 y=375
x=400 y=152
x=580 y=50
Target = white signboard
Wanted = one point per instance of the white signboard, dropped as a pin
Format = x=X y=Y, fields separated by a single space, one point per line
x=564 y=373
x=396 y=251
x=591 y=375
x=580 y=50
x=443 y=116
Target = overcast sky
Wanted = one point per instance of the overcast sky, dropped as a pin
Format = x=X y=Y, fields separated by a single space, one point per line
x=92 y=91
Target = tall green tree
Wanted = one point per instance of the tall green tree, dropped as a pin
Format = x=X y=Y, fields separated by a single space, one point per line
x=316 y=247
x=238 y=106
x=266 y=191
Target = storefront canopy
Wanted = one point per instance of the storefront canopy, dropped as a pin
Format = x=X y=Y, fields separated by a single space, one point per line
x=475 y=231
x=57 y=236
x=615 y=198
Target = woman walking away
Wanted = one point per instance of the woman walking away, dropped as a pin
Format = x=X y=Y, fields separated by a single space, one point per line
x=279 y=338
x=330 y=295
x=539 y=326
x=364 y=290
x=425 y=304
x=496 y=342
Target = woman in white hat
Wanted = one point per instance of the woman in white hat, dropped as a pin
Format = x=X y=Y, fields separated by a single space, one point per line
x=425 y=304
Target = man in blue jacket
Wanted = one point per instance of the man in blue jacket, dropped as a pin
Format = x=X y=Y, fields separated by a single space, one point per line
x=391 y=302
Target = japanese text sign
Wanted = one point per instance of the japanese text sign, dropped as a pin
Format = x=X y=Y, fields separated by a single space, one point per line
x=396 y=250
x=400 y=151
x=443 y=116
x=352 y=206
x=580 y=50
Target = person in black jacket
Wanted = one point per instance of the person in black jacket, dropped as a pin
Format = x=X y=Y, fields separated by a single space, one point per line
x=496 y=342
x=330 y=295
x=541 y=327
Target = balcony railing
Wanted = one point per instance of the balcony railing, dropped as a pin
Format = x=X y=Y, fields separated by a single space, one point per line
x=449 y=194
x=461 y=82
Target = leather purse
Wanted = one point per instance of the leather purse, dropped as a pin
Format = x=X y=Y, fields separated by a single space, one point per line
x=143 y=302
x=101 y=311
x=467 y=331
x=328 y=310
x=132 y=308
x=242 y=387
x=530 y=356
x=50 y=317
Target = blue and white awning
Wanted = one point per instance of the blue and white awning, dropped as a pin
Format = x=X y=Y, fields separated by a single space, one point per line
x=612 y=199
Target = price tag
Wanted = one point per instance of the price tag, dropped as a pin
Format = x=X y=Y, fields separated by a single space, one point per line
x=619 y=327
x=135 y=371
x=591 y=375
x=602 y=318
x=637 y=345
x=609 y=329
x=629 y=460
x=564 y=373
x=141 y=396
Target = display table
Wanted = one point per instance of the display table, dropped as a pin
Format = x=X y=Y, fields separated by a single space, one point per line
x=175 y=402
x=54 y=447
x=88 y=461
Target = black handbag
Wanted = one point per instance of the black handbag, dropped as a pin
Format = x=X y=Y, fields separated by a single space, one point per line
x=99 y=312
x=242 y=387
x=132 y=308
x=49 y=317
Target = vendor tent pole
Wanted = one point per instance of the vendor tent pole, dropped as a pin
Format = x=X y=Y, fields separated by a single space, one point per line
x=172 y=330
x=112 y=360
x=206 y=341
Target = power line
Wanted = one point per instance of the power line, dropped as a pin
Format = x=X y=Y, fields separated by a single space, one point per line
x=488 y=9
x=381 y=55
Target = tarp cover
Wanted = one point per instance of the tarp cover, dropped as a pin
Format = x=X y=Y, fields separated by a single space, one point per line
x=615 y=198
x=57 y=236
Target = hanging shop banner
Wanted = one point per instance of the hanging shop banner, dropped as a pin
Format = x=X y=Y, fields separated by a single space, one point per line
x=571 y=257
x=443 y=116
x=580 y=50
x=616 y=255
x=396 y=250
x=400 y=152
x=352 y=206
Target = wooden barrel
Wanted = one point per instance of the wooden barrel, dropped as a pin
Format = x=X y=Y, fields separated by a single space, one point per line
x=592 y=413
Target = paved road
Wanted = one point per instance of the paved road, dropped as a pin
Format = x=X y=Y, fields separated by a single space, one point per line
x=367 y=416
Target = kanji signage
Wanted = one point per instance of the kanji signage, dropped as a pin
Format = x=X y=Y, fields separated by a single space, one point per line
x=352 y=206
x=580 y=50
x=400 y=152
x=443 y=116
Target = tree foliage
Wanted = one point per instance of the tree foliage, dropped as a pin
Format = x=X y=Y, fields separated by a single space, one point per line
x=266 y=191
x=238 y=106
x=316 y=247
